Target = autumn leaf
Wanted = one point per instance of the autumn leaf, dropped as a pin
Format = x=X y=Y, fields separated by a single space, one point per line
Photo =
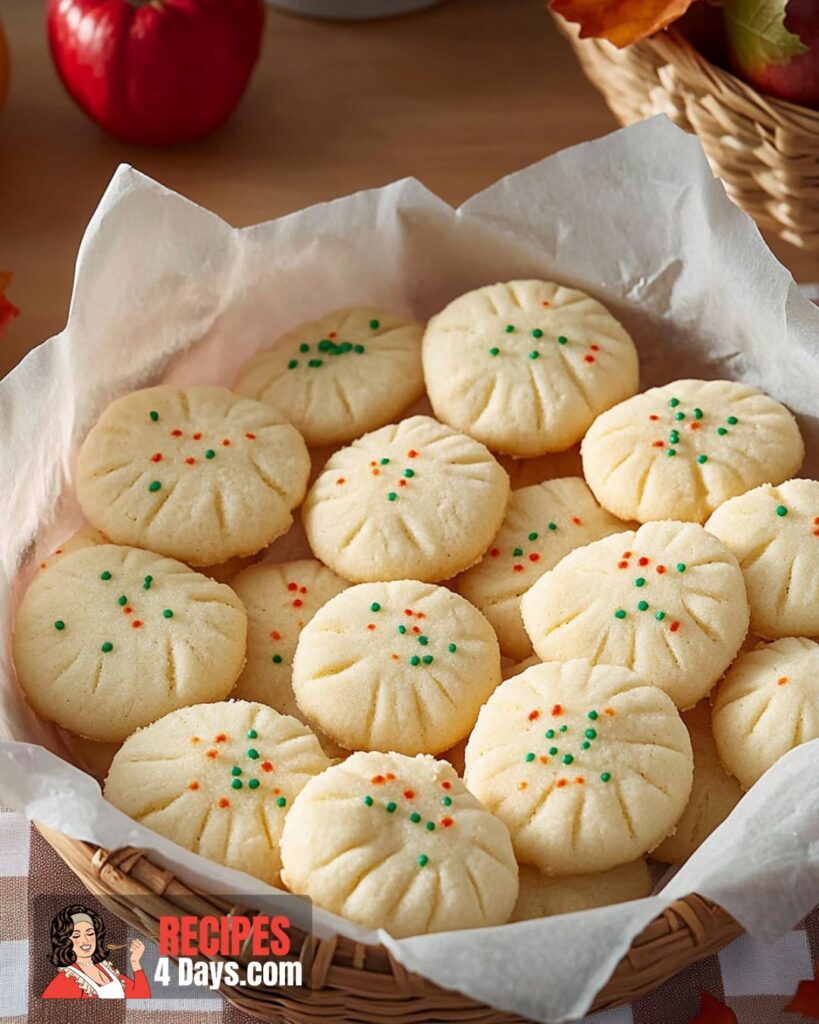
x=7 y=311
x=806 y=1000
x=622 y=22
x=712 y=1011
x=757 y=34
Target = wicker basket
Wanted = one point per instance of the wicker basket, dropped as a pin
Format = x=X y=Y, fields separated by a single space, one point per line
x=766 y=151
x=352 y=982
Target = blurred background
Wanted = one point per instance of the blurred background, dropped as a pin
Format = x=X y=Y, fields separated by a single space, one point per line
x=456 y=94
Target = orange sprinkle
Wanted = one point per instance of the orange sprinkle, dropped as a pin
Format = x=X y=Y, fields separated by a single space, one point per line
x=156 y=457
x=782 y=681
x=341 y=481
x=136 y=624
x=544 y=303
x=250 y=437
x=301 y=624
x=534 y=557
x=332 y=334
x=371 y=625
x=376 y=472
x=446 y=785
x=409 y=794
x=518 y=568
x=395 y=657
x=390 y=776
x=221 y=738
x=197 y=436
x=59 y=551
x=276 y=791
x=816 y=521
x=580 y=780
x=43 y=565
x=127 y=610
x=420 y=615
x=661 y=569
x=377 y=780
x=212 y=754
x=195 y=739
x=543 y=759
x=694 y=425
x=412 y=454
x=622 y=565
x=193 y=785
x=557 y=709
x=275 y=634
x=190 y=460
x=447 y=822
x=402 y=483
x=176 y=433
x=226 y=443
x=416 y=629
x=658 y=444
x=560 y=783
x=267 y=766
x=224 y=802
x=577 y=521
x=522 y=785
x=534 y=715
x=816 y=533
x=609 y=712
x=373 y=463
x=626 y=554
x=674 y=626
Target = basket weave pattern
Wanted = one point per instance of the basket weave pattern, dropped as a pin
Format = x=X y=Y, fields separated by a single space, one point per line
x=353 y=982
x=766 y=151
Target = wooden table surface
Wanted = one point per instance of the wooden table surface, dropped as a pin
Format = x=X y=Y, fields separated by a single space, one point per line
x=457 y=96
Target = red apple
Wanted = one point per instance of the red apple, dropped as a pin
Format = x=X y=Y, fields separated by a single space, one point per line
x=795 y=79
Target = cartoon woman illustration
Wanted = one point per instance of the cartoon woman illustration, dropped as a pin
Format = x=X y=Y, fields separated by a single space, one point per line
x=79 y=950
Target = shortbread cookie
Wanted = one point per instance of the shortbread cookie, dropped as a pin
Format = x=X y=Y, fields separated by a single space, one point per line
x=198 y=474
x=338 y=377
x=542 y=524
x=399 y=843
x=413 y=500
x=218 y=779
x=85 y=537
x=667 y=601
x=526 y=366
x=399 y=666
x=714 y=793
x=681 y=450
x=525 y=472
x=542 y=896
x=110 y=638
x=766 y=705
x=774 y=533
x=588 y=765
x=280 y=600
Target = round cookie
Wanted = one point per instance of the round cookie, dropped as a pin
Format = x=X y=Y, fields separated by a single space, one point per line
x=218 y=779
x=198 y=474
x=525 y=366
x=414 y=500
x=399 y=843
x=767 y=704
x=774 y=533
x=280 y=600
x=85 y=537
x=337 y=377
x=525 y=472
x=542 y=896
x=542 y=524
x=111 y=638
x=667 y=602
x=587 y=765
x=714 y=793
x=679 y=451
x=401 y=666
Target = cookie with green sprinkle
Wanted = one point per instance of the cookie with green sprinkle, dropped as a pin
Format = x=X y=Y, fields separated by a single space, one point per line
x=380 y=825
x=337 y=377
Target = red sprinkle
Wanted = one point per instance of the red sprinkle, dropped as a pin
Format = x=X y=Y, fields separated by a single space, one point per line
x=560 y=783
x=643 y=561
x=588 y=359
x=127 y=610
x=622 y=565
x=59 y=551
x=446 y=785
x=193 y=785
x=211 y=754
x=518 y=568
x=332 y=334
x=224 y=802
x=533 y=715
x=377 y=780
x=298 y=603
x=694 y=425
x=658 y=444
x=250 y=437
x=267 y=766
x=816 y=521
x=190 y=460
x=136 y=623
x=221 y=738
x=302 y=590
x=412 y=454
x=661 y=569
x=557 y=709
x=420 y=615
x=408 y=611
x=544 y=303
x=416 y=629
x=371 y=625
x=197 y=436
x=577 y=521
x=292 y=586
x=176 y=433
x=447 y=822
x=816 y=533
x=275 y=634
x=402 y=483
x=226 y=443
x=534 y=558
x=409 y=794
x=341 y=480
x=157 y=457
x=674 y=626
x=653 y=418
x=495 y=552
x=594 y=348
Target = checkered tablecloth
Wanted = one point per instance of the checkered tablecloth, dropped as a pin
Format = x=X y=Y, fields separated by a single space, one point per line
x=756 y=981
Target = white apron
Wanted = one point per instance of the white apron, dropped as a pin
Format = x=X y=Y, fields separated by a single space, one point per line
x=110 y=990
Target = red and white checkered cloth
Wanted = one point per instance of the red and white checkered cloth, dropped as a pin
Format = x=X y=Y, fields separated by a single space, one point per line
x=756 y=981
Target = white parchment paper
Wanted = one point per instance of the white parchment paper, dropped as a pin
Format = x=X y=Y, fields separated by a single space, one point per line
x=165 y=290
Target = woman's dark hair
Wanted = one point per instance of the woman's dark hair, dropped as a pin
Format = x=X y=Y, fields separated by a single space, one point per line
x=62 y=951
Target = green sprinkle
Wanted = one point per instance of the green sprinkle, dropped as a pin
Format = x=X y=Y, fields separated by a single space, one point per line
x=59 y=624
x=374 y=325
x=532 y=536
x=564 y=728
x=430 y=826
x=553 y=751
x=415 y=817
x=698 y=414
x=106 y=647
x=562 y=340
x=122 y=600
x=368 y=800
x=679 y=416
x=409 y=473
x=154 y=415
x=314 y=363
x=517 y=552
x=276 y=659
x=605 y=776
x=146 y=583
x=236 y=784
x=585 y=745
x=281 y=802
x=671 y=451
x=494 y=351
x=391 y=807
x=529 y=757
x=722 y=431
x=252 y=753
x=252 y=734
x=452 y=648
x=325 y=345
x=423 y=860
x=781 y=510
x=620 y=613
x=552 y=526
x=375 y=607
x=660 y=616
x=253 y=783
x=732 y=420
x=236 y=770
x=642 y=606
x=415 y=660
x=447 y=801
x=427 y=659
x=537 y=333
x=680 y=566
x=702 y=459
x=304 y=347
x=509 y=328
x=402 y=630
x=385 y=462
x=674 y=437
x=593 y=716
x=423 y=640
x=167 y=613
x=534 y=355
x=209 y=454
x=640 y=582
x=105 y=575
x=567 y=759
x=392 y=496
x=154 y=485
x=358 y=349
x=590 y=734
x=292 y=364
x=550 y=734
x=674 y=402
